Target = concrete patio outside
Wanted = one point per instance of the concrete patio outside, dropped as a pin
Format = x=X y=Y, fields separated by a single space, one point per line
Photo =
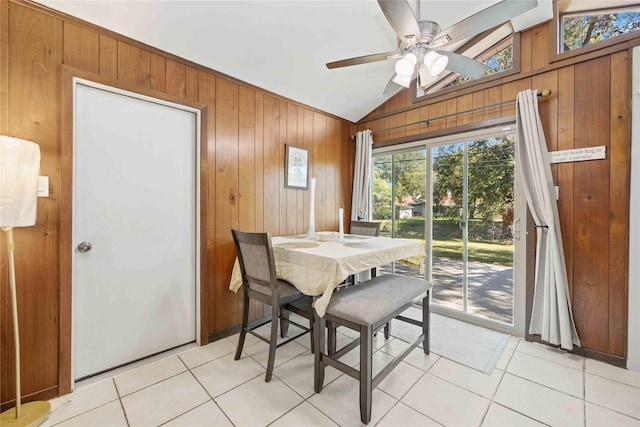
x=490 y=291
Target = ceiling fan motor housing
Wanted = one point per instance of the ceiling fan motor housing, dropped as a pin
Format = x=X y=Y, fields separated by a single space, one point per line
x=428 y=30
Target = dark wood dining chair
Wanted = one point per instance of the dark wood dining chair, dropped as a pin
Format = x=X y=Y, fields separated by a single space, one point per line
x=260 y=282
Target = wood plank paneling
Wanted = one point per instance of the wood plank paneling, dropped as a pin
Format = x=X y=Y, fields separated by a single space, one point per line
x=591 y=207
x=308 y=144
x=176 y=79
x=619 y=149
x=108 y=57
x=397 y=121
x=540 y=39
x=192 y=83
x=331 y=169
x=282 y=138
x=259 y=163
x=81 y=48
x=226 y=194
x=158 y=73
x=272 y=162
x=246 y=153
x=291 y=137
x=318 y=167
x=134 y=65
x=566 y=116
x=207 y=96
x=300 y=199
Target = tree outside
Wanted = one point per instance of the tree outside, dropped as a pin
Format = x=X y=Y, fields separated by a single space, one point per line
x=399 y=192
x=587 y=29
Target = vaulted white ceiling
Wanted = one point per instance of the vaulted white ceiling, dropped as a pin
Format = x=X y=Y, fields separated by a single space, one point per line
x=281 y=46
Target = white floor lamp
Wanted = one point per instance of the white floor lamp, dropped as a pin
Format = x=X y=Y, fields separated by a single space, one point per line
x=19 y=170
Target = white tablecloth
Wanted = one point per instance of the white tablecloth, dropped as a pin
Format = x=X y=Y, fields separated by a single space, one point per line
x=317 y=267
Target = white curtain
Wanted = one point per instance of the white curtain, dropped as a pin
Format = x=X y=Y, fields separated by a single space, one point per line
x=362 y=177
x=551 y=316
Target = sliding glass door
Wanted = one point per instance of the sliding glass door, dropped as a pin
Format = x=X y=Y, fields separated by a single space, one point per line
x=458 y=196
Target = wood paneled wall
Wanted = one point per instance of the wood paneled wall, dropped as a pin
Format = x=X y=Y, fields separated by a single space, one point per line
x=589 y=106
x=247 y=129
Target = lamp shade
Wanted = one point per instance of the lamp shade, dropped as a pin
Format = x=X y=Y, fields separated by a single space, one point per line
x=19 y=171
x=435 y=62
x=405 y=65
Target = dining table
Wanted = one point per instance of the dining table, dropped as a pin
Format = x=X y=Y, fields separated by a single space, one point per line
x=317 y=267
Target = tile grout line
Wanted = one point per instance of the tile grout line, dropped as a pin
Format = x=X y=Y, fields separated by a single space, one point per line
x=124 y=412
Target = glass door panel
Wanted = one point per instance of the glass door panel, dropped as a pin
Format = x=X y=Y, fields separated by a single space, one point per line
x=447 y=225
x=399 y=202
x=490 y=171
x=472 y=247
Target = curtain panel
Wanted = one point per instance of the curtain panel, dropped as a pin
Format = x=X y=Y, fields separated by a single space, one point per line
x=551 y=317
x=362 y=177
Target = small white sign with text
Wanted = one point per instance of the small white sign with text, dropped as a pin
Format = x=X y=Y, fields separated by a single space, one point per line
x=578 y=154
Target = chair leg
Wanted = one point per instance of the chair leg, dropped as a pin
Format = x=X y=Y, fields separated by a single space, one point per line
x=273 y=342
x=366 y=373
x=387 y=331
x=243 y=328
x=312 y=320
x=331 y=338
x=284 y=322
x=426 y=327
x=318 y=364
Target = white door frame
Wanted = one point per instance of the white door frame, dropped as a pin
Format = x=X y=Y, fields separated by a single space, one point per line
x=197 y=141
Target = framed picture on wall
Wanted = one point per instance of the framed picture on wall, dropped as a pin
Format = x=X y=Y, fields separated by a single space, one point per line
x=296 y=174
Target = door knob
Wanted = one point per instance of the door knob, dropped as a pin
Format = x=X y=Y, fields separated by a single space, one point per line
x=84 y=247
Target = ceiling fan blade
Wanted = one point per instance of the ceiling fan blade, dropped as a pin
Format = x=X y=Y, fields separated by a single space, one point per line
x=392 y=87
x=363 y=60
x=464 y=65
x=401 y=18
x=488 y=18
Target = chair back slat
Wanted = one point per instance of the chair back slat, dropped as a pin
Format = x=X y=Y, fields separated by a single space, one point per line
x=363 y=228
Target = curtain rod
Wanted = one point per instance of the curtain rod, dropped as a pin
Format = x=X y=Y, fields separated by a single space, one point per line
x=543 y=93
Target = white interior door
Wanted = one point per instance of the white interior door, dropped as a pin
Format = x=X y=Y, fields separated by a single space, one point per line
x=135 y=195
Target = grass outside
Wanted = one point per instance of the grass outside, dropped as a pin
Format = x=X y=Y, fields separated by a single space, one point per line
x=447 y=243
x=486 y=252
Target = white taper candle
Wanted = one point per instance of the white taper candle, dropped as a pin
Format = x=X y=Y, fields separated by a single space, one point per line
x=311 y=232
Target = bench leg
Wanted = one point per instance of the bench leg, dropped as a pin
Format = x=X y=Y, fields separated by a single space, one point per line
x=284 y=322
x=331 y=338
x=387 y=331
x=426 y=328
x=318 y=365
x=366 y=373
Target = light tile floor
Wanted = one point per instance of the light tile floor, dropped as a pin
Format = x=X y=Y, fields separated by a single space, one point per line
x=531 y=385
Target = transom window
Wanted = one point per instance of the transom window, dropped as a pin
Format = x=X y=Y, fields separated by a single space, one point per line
x=584 y=28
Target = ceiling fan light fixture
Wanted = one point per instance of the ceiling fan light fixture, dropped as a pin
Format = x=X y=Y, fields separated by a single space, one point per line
x=402 y=80
x=435 y=62
x=405 y=65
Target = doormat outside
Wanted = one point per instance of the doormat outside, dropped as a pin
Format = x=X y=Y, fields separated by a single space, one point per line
x=461 y=342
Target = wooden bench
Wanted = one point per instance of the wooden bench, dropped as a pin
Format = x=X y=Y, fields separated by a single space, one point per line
x=366 y=308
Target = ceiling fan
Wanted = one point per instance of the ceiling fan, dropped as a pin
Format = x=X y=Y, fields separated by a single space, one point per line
x=422 y=45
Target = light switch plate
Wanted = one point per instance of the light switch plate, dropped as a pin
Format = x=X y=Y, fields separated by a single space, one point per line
x=43 y=186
